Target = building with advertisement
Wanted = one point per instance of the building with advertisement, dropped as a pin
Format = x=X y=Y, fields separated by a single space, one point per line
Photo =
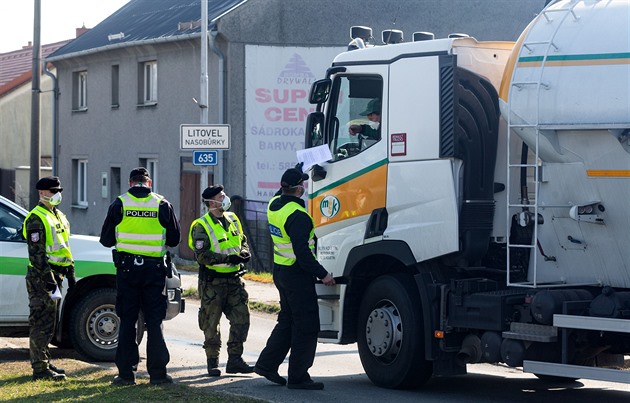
x=128 y=84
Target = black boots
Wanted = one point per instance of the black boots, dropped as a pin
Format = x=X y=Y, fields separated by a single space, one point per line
x=213 y=367
x=236 y=365
x=57 y=370
x=48 y=374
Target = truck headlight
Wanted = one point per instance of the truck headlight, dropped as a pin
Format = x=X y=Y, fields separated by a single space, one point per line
x=170 y=294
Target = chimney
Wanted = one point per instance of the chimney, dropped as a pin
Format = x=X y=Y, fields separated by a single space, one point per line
x=81 y=31
x=30 y=45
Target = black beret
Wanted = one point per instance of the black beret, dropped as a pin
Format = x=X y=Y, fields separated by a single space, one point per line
x=212 y=191
x=292 y=177
x=140 y=171
x=48 y=183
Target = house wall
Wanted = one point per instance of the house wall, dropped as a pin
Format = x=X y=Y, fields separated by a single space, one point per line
x=15 y=132
x=119 y=137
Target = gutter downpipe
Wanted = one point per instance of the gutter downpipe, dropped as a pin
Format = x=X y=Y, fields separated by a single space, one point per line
x=218 y=174
x=55 y=123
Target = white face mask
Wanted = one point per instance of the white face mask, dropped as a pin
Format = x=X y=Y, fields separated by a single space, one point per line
x=374 y=125
x=225 y=204
x=54 y=200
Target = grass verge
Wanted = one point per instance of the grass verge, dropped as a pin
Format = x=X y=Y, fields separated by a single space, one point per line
x=262 y=277
x=87 y=382
x=192 y=293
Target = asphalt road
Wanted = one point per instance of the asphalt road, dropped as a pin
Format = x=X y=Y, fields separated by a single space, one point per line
x=340 y=369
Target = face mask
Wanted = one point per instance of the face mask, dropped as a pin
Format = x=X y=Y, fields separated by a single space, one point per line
x=225 y=204
x=54 y=200
x=302 y=190
x=374 y=125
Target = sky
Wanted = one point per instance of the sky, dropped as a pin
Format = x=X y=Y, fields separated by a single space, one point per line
x=59 y=19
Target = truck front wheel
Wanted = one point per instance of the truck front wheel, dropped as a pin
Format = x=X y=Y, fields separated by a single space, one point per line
x=94 y=325
x=390 y=334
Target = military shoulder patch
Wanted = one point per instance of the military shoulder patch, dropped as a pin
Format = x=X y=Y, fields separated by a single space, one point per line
x=34 y=236
x=199 y=244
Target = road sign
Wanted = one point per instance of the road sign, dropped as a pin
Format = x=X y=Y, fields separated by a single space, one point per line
x=205 y=158
x=205 y=137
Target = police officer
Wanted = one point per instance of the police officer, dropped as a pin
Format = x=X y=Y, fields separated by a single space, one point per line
x=47 y=231
x=220 y=248
x=294 y=272
x=141 y=224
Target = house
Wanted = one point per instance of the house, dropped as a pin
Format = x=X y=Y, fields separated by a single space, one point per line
x=128 y=84
x=15 y=120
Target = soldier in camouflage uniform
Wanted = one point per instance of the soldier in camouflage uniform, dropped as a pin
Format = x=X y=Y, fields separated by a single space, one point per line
x=220 y=248
x=47 y=231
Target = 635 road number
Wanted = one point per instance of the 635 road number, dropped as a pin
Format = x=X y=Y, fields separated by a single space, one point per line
x=204 y=158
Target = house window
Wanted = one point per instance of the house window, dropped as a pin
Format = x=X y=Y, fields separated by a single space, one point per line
x=79 y=93
x=151 y=165
x=79 y=168
x=115 y=86
x=147 y=80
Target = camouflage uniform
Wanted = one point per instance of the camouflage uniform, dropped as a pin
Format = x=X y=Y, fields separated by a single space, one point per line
x=220 y=295
x=40 y=277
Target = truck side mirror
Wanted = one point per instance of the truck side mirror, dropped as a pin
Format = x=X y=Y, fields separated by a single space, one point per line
x=320 y=91
x=314 y=130
x=318 y=173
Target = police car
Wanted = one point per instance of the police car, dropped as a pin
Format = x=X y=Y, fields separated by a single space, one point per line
x=87 y=320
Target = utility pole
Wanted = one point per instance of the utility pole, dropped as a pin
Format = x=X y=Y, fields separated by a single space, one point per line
x=203 y=96
x=35 y=93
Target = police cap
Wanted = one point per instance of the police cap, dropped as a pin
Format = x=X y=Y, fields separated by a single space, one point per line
x=140 y=171
x=292 y=177
x=49 y=183
x=212 y=191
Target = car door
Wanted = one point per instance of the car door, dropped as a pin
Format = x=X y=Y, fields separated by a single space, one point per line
x=13 y=264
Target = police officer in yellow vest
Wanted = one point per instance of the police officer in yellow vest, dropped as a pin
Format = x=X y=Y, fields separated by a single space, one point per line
x=220 y=248
x=47 y=232
x=294 y=273
x=141 y=224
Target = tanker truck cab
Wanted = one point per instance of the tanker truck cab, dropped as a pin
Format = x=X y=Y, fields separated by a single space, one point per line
x=87 y=320
x=488 y=220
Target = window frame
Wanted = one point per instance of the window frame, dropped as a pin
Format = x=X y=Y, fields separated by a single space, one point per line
x=115 y=102
x=351 y=106
x=81 y=192
x=149 y=77
x=80 y=90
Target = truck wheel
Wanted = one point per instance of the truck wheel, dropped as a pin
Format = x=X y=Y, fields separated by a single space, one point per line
x=391 y=334
x=94 y=325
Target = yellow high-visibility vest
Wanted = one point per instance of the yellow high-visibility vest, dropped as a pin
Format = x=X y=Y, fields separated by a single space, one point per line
x=282 y=247
x=140 y=231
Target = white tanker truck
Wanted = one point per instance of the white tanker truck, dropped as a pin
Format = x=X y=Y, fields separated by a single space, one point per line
x=484 y=214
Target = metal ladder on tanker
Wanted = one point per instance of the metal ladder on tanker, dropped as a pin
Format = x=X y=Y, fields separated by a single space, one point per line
x=562 y=322
x=551 y=15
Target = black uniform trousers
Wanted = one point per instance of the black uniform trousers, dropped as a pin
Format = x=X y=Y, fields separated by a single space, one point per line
x=297 y=327
x=141 y=288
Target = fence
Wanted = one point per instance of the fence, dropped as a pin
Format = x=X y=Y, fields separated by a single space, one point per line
x=253 y=216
